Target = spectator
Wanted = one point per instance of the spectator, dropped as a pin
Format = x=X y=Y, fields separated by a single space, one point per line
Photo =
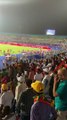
x=31 y=74
x=25 y=102
x=46 y=81
x=21 y=86
x=38 y=75
x=41 y=109
x=5 y=100
x=60 y=92
x=51 y=83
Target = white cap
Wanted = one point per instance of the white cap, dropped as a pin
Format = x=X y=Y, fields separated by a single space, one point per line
x=21 y=78
x=46 y=70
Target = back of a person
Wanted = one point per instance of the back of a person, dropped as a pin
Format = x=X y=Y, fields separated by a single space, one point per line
x=19 y=89
x=46 y=82
x=41 y=111
x=25 y=101
x=42 y=108
x=21 y=86
x=7 y=98
x=28 y=100
x=38 y=76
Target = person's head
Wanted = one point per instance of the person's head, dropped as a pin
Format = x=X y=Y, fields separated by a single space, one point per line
x=38 y=70
x=20 y=78
x=4 y=87
x=38 y=87
x=28 y=82
x=62 y=73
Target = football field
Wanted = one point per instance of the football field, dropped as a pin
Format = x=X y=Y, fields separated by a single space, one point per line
x=15 y=49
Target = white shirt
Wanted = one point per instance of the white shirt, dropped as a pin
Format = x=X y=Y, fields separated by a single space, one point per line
x=6 y=98
x=19 y=89
x=46 y=82
x=38 y=76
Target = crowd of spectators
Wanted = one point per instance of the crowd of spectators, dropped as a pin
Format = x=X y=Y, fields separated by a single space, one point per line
x=35 y=89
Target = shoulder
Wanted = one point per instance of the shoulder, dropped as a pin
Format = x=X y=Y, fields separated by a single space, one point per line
x=24 y=92
x=35 y=106
x=62 y=87
x=3 y=96
x=63 y=84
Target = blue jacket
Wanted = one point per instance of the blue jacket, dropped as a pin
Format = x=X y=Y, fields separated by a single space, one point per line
x=41 y=111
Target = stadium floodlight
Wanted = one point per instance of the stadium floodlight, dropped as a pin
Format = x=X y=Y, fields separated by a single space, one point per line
x=50 y=32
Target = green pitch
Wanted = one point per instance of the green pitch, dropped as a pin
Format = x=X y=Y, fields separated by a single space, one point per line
x=12 y=49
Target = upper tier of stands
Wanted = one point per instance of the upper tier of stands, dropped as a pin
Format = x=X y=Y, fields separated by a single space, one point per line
x=35 y=39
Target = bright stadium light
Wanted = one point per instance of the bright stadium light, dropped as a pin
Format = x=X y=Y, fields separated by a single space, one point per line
x=50 y=32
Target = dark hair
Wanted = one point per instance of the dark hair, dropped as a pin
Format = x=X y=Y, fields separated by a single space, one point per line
x=28 y=82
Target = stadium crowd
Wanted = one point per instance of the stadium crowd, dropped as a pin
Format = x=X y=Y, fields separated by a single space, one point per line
x=34 y=89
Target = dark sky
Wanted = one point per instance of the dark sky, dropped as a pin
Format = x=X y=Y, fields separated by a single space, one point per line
x=33 y=16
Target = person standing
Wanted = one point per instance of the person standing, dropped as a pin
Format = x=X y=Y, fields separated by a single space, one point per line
x=21 y=86
x=25 y=102
x=59 y=92
x=41 y=109
x=5 y=100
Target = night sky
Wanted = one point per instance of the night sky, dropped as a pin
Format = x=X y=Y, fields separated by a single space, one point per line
x=33 y=16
